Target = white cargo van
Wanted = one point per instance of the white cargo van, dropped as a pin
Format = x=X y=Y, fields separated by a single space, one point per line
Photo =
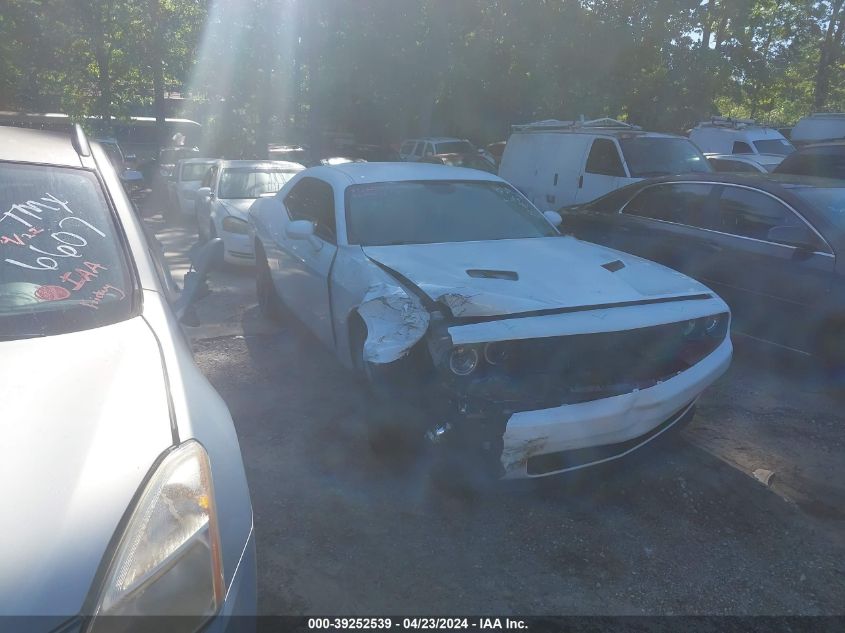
x=724 y=135
x=560 y=163
x=819 y=127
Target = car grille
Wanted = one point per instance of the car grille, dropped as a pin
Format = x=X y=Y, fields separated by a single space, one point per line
x=548 y=372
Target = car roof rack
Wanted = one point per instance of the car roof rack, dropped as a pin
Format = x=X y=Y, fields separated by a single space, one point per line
x=79 y=140
x=604 y=123
x=729 y=122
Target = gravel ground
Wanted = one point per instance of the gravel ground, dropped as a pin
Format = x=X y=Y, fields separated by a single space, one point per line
x=681 y=528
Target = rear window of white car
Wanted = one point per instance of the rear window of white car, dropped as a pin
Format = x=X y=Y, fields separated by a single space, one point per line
x=63 y=266
x=662 y=156
x=779 y=146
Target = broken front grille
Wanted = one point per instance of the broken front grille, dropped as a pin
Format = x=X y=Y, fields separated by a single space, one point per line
x=547 y=372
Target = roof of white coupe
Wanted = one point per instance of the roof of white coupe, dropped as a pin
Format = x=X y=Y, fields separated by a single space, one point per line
x=393 y=172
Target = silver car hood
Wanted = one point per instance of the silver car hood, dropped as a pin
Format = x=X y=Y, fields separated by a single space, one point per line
x=501 y=277
x=85 y=415
x=238 y=207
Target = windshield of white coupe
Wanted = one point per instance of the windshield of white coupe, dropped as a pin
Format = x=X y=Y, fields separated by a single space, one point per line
x=426 y=212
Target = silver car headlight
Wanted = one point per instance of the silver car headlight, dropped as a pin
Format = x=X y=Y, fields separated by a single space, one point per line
x=232 y=224
x=168 y=560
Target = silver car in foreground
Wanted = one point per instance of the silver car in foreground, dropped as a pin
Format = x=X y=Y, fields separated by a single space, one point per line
x=123 y=487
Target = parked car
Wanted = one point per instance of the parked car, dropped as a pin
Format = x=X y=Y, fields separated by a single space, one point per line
x=337 y=160
x=227 y=192
x=169 y=156
x=448 y=290
x=122 y=480
x=301 y=154
x=372 y=153
x=560 y=163
x=131 y=179
x=744 y=163
x=472 y=161
x=417 y=149
x=822 y=126
x=771 y=246
x=724 y=135
x=496 y=150
x=823 y=160
x=185 y=179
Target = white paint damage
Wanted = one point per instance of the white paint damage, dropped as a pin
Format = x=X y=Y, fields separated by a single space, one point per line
x=550 y=273
x=395 y=321
x=609 y=420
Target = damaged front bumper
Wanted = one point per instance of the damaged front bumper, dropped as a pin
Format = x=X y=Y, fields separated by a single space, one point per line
x=536 y=443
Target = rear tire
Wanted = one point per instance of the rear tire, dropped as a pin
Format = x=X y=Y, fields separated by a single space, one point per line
x=830 y=348
x=269 y=303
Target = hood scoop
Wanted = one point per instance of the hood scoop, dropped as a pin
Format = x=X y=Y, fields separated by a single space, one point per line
x=613 y=266
x=509 y=275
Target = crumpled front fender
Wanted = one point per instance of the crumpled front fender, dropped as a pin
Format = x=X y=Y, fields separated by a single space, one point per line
x=396 y=320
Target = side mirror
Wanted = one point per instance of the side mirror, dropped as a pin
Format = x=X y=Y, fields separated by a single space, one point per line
x=796 y=235
x=300 y=230
x=203 y=192
x=554 y=217
x=194 y=286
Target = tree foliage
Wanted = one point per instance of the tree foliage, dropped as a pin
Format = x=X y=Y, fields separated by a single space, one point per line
x=267 y=70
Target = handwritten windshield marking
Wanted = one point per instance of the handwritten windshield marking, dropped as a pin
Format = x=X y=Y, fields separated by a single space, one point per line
x=52 y=293
x=17 y=238
x=83 y=275
x=98 y=295
x=69 y=243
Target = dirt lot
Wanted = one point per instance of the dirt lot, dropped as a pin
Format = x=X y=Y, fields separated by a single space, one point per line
x=680 y=528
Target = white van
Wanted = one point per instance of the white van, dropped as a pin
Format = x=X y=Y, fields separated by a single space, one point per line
x=724 y=135
x=561 y=163
x=819 y=127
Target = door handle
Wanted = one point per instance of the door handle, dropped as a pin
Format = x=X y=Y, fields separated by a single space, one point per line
x=713 y=246
x=580 y=181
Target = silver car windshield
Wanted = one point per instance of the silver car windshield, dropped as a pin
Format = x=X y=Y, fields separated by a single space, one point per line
x=425 y=212
x=248 y=182
x=62 y=265
x=195 y=171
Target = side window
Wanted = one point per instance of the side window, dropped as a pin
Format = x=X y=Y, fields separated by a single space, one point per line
x=313 y=200
x=741 y=148
x=407 y=147
x=604 y=159
x=418 y=151
x=429 y=149
x=750 y=213
x=684 y=203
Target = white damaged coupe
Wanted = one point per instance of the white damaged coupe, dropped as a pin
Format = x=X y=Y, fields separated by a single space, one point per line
x=448 y=290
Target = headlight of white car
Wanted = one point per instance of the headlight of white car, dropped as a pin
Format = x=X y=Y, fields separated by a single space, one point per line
x=168 y=561
x=232 y=224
